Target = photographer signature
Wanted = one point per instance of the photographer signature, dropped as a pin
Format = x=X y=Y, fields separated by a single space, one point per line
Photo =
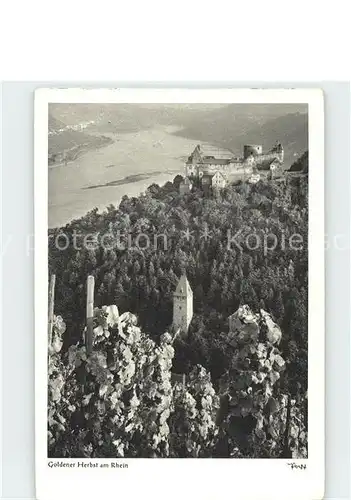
x=294 y=465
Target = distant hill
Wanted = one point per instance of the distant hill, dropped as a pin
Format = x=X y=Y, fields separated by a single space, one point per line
x=101 y=118
x=126 y=118
x=237 y=125
x=55 y=124
x=66 y=143
x=291 y=130
x=195 y=119
x=73 y=127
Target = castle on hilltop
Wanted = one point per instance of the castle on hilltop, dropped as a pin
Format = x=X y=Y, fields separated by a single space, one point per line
x=182 y=306
x=213 y=167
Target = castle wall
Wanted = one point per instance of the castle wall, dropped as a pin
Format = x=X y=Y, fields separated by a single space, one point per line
x=191 y=169
x=218 y=181
x=267 y=156
x=243 y=165
x=226 y=170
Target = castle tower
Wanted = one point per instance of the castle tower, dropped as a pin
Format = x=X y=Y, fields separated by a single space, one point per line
x=279 y=151
x=182 y=305
x=252 y=149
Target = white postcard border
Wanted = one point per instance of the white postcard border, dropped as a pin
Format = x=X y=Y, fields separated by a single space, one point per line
x=192 y=478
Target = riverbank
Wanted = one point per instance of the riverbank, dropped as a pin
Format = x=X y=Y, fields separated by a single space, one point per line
x=101 y=176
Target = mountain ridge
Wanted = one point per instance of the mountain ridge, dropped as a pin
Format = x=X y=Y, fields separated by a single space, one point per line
x=82 y=126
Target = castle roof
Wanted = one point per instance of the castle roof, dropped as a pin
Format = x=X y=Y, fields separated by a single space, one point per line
x=220 y=173
x=210 y=175
x=207 y=153
x=183 y=287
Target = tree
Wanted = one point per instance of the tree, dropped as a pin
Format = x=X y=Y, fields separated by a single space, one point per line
x=177 y=180
x=222 y=275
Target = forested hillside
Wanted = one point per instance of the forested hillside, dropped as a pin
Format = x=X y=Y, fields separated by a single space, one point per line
x=235 y=249
x=301 y=164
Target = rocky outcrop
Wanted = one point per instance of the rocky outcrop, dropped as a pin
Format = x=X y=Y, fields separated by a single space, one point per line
x=246 y=326
x=255 y=411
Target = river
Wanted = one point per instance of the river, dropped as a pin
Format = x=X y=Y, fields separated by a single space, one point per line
x=100 y=177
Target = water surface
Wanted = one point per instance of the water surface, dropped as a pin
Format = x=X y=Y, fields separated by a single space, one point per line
x=100 y=177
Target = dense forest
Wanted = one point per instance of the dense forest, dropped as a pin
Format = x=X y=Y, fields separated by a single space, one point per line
x=301 y=164
x=236 y=248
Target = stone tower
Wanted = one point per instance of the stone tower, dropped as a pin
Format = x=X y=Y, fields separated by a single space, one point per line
x=279 y=151
x=182 y=305
x=252 y=149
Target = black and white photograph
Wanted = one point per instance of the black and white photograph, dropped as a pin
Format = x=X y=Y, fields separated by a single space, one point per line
x=178 y=280
x=179 y=291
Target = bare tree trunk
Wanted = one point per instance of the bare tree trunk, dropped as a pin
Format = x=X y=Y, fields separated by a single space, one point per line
x=51 y=307
x=90 y=314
